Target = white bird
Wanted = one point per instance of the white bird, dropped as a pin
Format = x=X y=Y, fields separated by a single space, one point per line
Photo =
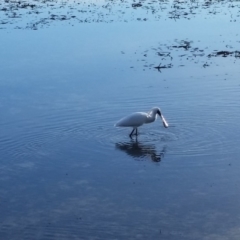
x=137 y=119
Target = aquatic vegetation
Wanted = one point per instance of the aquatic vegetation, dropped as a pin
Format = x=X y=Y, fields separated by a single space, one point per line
x=36 y=14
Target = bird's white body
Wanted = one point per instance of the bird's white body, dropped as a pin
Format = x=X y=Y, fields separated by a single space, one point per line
x=137 y=119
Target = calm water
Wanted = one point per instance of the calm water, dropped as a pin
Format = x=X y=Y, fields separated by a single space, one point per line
x=67 y=173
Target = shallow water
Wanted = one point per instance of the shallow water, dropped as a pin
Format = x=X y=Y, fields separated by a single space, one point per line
x=67 y=173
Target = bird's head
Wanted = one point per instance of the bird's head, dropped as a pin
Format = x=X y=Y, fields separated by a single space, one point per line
x=157 y=110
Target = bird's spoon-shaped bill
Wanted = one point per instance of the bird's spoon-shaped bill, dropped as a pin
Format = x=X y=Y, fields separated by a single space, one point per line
x=165 y=124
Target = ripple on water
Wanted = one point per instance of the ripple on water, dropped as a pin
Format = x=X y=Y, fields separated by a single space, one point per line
x=39 y=136
x=198 y=138
x=187 y=135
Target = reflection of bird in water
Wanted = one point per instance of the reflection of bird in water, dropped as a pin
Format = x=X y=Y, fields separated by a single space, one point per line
x=136 y=149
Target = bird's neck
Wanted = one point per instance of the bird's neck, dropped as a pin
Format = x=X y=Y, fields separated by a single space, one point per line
x=151 y=117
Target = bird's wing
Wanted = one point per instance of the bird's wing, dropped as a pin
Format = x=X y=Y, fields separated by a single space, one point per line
x=134 y=120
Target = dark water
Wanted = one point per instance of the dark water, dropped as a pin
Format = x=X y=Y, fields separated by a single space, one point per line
x=67 y=173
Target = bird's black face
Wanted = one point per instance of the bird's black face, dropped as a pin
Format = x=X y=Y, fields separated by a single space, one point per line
x=159 y=113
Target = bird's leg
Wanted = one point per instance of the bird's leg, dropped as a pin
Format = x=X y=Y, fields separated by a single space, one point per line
x=136 y=132
x=130 y=135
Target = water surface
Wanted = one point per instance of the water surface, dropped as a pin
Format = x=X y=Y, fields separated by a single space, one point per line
x=67 y=173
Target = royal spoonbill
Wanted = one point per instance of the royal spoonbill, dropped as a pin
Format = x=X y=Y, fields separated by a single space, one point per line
x=137 y=119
